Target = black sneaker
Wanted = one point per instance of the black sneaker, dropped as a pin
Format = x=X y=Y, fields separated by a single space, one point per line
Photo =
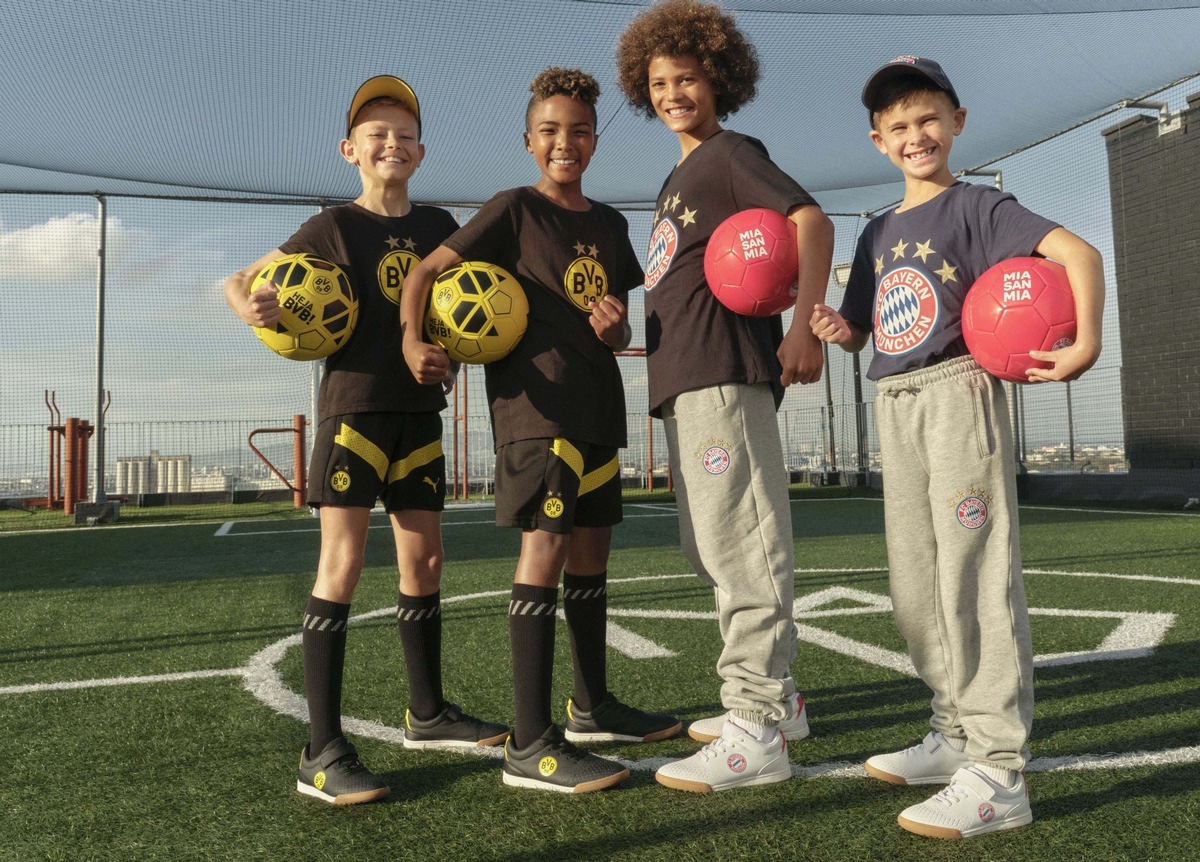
x=612 y=721
x=451 y=730
x=552 y=763
x=336 y=776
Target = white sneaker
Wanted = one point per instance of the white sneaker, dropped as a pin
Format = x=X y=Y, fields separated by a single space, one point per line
x=971 y=805
x=733 y=759
x=794 y=727
x=930 y=761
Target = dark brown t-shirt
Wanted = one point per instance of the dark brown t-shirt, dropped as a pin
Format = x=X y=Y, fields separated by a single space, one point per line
x=561 y=380
x=692 y=340
x=369 y=373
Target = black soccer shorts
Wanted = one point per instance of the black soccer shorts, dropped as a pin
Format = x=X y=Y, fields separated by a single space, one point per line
x=359 y=458
x=556 y=485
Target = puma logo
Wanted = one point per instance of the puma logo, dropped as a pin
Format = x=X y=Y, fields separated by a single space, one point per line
x=432 y=483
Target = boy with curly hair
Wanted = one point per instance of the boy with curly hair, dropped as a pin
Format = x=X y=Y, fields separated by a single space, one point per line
x=379 y=437
x=950 y=507
x=558 y=417
x=716 y=379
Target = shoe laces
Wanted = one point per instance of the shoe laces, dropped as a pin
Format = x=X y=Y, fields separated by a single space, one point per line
x=715 y=749
x=950 y=795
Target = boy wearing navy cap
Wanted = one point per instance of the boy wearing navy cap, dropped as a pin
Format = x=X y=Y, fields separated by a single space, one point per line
x=950 y=504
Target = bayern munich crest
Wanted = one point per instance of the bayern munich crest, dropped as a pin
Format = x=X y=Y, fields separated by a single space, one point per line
x=972 y=513
x=906 y=311
x=986 y=812
x=715 y=460
x=664 y=242
x=736 y=763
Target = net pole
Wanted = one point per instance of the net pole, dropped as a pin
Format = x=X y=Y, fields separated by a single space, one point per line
x=99 y=495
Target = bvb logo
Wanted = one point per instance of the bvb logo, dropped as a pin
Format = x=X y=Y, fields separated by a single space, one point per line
x=392 y=270
x=553 y=507
x=547 y=766
x=340 y=481
x=585 y=282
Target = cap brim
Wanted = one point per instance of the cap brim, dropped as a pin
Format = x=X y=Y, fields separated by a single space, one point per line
x=379 y=87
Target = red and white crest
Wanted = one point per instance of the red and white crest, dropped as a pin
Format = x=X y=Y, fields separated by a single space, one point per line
x=906 y=311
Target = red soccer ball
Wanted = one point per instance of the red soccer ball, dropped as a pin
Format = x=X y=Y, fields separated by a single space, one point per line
x=1018 y=305
x=751 y=263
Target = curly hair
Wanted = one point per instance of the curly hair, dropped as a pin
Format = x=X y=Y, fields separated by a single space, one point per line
x=677 y=28
x=557 y=81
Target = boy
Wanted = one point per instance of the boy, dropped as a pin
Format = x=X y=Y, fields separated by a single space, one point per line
x=379 y=438
x=950 y=504
x=716 y=379
x=558 y=417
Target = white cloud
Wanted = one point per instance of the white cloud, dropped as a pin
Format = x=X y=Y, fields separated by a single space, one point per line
x=59 y=251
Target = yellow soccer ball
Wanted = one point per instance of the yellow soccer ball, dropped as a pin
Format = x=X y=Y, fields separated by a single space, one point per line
x=477 y=312
x=318 y=307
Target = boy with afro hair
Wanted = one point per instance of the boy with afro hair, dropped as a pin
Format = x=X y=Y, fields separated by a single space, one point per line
x=716 y=379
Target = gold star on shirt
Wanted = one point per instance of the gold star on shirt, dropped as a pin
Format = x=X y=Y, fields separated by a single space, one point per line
x=410 y=244
x=393 y=242
x=878 y=265
x=898 y=249
x=688 y=217
x=593 y=251
x=675 y=203
x=580 y=248
x=946 y=273
x=923 y=250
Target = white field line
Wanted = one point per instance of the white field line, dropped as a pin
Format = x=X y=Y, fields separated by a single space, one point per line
x=261 y=676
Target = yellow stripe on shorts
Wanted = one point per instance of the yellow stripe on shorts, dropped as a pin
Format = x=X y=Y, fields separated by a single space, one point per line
x=418 y=458
x=574 y=459
x=350 y=439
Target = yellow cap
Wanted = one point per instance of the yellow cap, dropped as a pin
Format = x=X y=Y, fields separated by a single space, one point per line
x=378 y=87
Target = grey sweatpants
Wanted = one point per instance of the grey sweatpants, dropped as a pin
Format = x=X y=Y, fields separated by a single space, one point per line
x=735 y=527
x=954 y=557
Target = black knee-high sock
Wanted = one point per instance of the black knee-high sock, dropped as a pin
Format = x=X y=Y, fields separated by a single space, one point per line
x=531 y=619
x=324 y=646
x=585 y=605
x=419 y=619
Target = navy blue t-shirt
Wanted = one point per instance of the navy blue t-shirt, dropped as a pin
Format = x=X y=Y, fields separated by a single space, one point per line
x=912 y=269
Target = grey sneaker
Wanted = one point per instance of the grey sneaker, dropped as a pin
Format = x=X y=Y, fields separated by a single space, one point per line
x=552 y=763
x=734 y=759
x=793 y=727
x=930 y=761
x=336 y=776
x=612 y=721
x=451 y=730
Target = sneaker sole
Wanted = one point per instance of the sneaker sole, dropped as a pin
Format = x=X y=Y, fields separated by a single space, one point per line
x=701 y=787
x=948 y=834
x=345 y=798
x=583 y=787
x=901 y=781
x=454 y=744
x=603 y=736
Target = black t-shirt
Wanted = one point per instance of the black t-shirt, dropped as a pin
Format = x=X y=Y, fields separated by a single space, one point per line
x=369 y=374
x=912 y=270
x=561 y=380
x=692 y=340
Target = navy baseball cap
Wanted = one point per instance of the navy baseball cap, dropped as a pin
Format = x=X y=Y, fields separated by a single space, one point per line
x=907 y=65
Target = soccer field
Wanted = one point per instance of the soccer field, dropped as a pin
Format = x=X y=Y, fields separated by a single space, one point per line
x=150 y=690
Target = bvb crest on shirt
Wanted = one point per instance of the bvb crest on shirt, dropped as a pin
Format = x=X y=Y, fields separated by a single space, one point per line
x=391 y=272
x=585 y=282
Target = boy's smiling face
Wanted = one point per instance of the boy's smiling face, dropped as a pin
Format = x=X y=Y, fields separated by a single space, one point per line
x=562 y=139
x=917 y=134
x=384 y=143
x=682 y=96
